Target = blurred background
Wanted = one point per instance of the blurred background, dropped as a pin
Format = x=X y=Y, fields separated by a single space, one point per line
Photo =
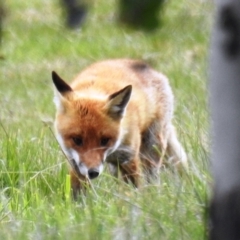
x=66 y=36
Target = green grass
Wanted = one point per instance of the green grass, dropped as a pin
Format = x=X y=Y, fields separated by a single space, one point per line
x=34 y=185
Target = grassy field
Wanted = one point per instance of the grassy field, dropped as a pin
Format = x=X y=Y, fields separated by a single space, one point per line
x=34 y=185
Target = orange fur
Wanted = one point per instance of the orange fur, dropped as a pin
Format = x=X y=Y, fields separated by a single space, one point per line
x=98 y=107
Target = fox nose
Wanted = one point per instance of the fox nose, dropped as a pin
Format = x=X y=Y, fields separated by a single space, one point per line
x=93 y=173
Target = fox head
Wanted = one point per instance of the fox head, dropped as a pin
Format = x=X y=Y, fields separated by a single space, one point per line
x=88 y=128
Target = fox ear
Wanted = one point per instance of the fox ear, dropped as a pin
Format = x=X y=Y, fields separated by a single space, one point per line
x=118 y=101
x=61 y=89
x=60 y=84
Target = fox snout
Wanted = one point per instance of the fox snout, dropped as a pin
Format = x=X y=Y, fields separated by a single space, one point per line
x=93 y=173
x=90 y=172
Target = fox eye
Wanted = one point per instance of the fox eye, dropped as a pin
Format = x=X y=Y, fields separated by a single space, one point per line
x=104 y=141
x=78 y=141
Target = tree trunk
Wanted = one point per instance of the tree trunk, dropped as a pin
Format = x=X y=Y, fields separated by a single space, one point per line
x=225 y=111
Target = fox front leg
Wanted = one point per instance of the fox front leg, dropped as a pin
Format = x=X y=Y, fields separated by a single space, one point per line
x=131 y=172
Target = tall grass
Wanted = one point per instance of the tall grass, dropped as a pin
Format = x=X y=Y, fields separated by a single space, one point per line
x=34 y=185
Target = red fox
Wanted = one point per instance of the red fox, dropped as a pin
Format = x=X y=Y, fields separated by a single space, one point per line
x=118 y=112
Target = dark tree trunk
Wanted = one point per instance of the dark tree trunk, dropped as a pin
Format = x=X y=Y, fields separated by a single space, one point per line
x=142 y=14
